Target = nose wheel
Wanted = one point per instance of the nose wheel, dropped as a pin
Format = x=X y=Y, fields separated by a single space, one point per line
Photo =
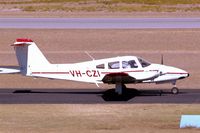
x=174 y=90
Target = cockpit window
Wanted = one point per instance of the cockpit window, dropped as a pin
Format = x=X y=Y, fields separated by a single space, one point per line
x=129 y=64
x=100 y=66
x=114 y=65
x=143 y=62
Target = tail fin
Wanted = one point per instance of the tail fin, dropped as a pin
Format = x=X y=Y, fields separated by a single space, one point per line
x=29 y=56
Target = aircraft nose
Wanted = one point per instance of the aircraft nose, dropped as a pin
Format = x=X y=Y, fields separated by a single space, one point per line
x=177 y=72
x=188 y=74
x=185 y=72
x=182 y=73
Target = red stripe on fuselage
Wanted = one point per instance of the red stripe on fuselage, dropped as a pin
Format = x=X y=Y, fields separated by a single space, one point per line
x=101 y=72
x=50 y=72
x=122 y=72
x=175 y=73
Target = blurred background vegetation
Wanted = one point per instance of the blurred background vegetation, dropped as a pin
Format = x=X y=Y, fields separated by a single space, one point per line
x=103 y=5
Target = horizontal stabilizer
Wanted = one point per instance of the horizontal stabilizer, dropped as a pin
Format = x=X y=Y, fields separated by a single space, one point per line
x=9 y=70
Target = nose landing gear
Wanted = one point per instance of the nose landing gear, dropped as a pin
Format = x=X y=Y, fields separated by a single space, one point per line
x=174 y=90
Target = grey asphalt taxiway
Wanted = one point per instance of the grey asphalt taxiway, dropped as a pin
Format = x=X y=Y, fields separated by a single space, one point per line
x=94 y=96
x=99 y=23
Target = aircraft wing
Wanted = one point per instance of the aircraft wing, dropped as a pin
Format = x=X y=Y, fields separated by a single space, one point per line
x=9 y=69
x=113 y=78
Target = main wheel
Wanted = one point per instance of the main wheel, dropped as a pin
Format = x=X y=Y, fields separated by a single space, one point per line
x=174 y=90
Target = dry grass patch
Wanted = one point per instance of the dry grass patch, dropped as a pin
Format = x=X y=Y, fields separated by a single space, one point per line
x=102 y=5
x=101 y=118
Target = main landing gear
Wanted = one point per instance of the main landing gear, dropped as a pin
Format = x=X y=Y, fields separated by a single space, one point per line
x=174 y=90
x=119 y=87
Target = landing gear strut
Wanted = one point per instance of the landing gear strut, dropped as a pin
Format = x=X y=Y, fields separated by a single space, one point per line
x=174 y=90
x=119 y=87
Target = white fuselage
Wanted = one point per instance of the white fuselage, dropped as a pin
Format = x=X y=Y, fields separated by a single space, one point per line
x=89 y=72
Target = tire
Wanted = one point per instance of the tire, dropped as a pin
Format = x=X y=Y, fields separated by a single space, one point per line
x=174 y=90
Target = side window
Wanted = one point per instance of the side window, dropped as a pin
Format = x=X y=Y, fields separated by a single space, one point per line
x=129 y=64
x=100 y=66
x=133 y=64
x=114 y=65
x=125 y=64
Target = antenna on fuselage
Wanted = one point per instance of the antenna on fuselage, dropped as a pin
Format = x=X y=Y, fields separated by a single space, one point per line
x=162 y=60
x=90 y=55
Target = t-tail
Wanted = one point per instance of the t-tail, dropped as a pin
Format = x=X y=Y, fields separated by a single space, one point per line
x=29 y=57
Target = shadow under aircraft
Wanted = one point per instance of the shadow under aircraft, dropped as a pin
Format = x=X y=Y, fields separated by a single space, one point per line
x=107 y=95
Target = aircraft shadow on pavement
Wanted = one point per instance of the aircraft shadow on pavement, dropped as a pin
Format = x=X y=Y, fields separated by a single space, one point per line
x=110 y=95
x=107 y=95
x=94 y=96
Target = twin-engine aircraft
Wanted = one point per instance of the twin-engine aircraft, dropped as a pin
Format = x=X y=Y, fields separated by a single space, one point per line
x=118 y=70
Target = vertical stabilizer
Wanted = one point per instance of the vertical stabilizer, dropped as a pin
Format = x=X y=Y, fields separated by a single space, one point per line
x=29 y=56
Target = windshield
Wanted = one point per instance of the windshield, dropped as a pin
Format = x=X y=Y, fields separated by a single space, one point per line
x=143 y=62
